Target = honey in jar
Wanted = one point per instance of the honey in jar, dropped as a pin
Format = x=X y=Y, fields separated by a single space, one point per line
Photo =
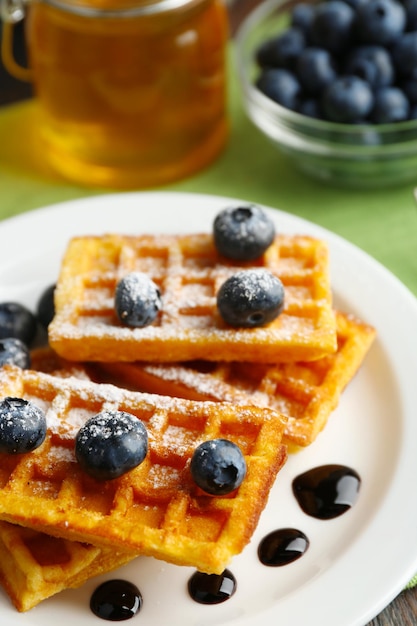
x=131 y=95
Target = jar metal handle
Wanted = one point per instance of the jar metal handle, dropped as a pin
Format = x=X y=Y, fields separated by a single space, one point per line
x=11 y=12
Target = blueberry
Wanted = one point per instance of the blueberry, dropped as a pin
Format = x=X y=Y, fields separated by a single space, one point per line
x=411 y=13
x=332 y=25
x=137 y=300
x=380 y=21
x=45 y=309
x=404 y=53
x=22 y=426
x=347 y=100
x=17 y=321
x=302 y=16
x=14 y=352
x=369 y=136
x=110 y=444
x=280 y=85
x=250 y=298
x=218 y=466
x=355 y=3
x=315 y=69
x=281 y=50
x=310 y=107
x=372 y=63
x=409 y=87
x=243 y=232
x=391 y=105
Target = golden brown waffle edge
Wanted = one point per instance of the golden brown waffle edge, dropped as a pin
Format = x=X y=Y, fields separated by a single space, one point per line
x=189 y=271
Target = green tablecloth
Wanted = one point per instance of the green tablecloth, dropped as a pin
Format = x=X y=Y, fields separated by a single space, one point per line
x=382 y=222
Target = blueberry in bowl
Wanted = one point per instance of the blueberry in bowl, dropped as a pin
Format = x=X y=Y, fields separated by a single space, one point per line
x=342 y=107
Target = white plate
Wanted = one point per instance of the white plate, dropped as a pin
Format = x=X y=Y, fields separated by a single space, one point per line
x=356 y=563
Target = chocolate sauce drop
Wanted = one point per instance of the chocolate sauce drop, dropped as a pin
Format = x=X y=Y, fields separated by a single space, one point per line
x=282 y=546
x=211 y=588
x=116 y=600
x=327 y=491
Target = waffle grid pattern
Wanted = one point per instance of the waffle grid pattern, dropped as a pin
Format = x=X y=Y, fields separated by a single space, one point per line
x=307 y=392
x=155 y=509
x=189 y=272
x=35 y=566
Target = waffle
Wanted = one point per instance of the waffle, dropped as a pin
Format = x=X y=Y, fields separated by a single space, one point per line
x=188 y=271
x=35 y=566
x=307 y=392
x=46 y=360
x=156 y=509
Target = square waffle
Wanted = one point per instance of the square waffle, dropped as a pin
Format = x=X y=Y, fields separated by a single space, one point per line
x=34 y=566
x=155 y=509
x=307 y=392
x=189 y=272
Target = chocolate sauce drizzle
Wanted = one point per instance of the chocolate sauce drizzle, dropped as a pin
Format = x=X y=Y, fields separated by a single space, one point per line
x=327 y=491
x=116 y=600
x=211 y=588
x=324 y=492
x=282 y=547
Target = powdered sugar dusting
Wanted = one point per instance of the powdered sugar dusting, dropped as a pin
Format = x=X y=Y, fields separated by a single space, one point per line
x=208 y=386
x=189 y=272
x=161 y=476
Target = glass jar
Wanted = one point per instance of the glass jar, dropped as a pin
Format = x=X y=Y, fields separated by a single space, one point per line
x=133 y=94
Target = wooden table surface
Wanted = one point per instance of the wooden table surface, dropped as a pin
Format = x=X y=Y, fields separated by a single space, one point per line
x=403 y=610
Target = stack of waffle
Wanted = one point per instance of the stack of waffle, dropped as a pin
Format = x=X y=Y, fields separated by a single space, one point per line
x=190 y=378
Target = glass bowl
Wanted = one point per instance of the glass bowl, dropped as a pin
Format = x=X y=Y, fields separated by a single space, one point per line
x=359 y=156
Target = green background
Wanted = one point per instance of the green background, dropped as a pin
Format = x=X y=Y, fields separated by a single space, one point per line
x=383 y=222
